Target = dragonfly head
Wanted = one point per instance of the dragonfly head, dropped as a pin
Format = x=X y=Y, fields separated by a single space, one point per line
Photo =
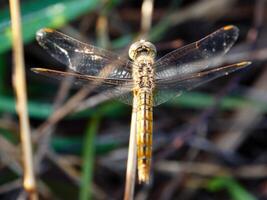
x=142 y=47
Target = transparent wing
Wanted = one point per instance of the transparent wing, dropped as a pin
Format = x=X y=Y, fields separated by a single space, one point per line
x=197 y=56
x=168 y=88
x=119 y=88
x=83 y=58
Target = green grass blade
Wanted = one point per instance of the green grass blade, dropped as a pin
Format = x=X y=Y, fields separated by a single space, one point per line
x=88 y=159
x=36 y=109
x=41 y=110
x=195 y=100
x=73 y=145
x=38 y=14
x=235 y=190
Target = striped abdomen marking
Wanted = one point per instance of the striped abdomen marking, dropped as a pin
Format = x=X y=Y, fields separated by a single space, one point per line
x=144 y=134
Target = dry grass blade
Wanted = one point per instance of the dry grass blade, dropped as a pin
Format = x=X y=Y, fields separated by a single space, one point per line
x=19 y=84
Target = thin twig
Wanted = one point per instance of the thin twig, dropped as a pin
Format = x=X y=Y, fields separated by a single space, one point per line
x=254 y=171
x=66 y=166
x=10 y=156
x=43 y=144
x=19 y=84
x=7 y=187
x=131 y=162
x=61 y=112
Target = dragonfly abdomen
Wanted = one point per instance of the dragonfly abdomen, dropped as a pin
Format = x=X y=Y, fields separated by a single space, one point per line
x=143 y=53
x=144 y=134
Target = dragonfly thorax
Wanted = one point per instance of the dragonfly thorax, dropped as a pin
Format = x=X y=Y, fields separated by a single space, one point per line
x=142 y=47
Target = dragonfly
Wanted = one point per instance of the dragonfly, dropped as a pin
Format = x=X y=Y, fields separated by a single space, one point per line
x=139 y=79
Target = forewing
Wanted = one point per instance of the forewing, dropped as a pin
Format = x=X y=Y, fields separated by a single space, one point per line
x=197 y=56
x=168 y=88
x=83 y=58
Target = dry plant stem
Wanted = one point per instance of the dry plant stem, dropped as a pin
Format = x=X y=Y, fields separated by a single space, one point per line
x=8 y=187
x=102 y=31
x=61 y=112
x=131 y=163
x=19 y=84
x=250 y=171
x=177 y=180
x=244 y=120
x=42 y=149
x=147 y=10
x=45 y=191
x=22 y=195
x=67 y=167
x=10 y=156
x=63 y=92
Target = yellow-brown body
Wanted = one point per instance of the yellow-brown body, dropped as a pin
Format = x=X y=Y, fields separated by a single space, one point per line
x=144 y=134
x=143 y=76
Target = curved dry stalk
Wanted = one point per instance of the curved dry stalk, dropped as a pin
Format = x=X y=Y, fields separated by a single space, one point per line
x=19 y=84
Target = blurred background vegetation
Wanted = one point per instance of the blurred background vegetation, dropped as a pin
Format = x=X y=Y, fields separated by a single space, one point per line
x=210 y=143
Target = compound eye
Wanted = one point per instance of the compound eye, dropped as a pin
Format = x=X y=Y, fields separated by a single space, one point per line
x=141 y=46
